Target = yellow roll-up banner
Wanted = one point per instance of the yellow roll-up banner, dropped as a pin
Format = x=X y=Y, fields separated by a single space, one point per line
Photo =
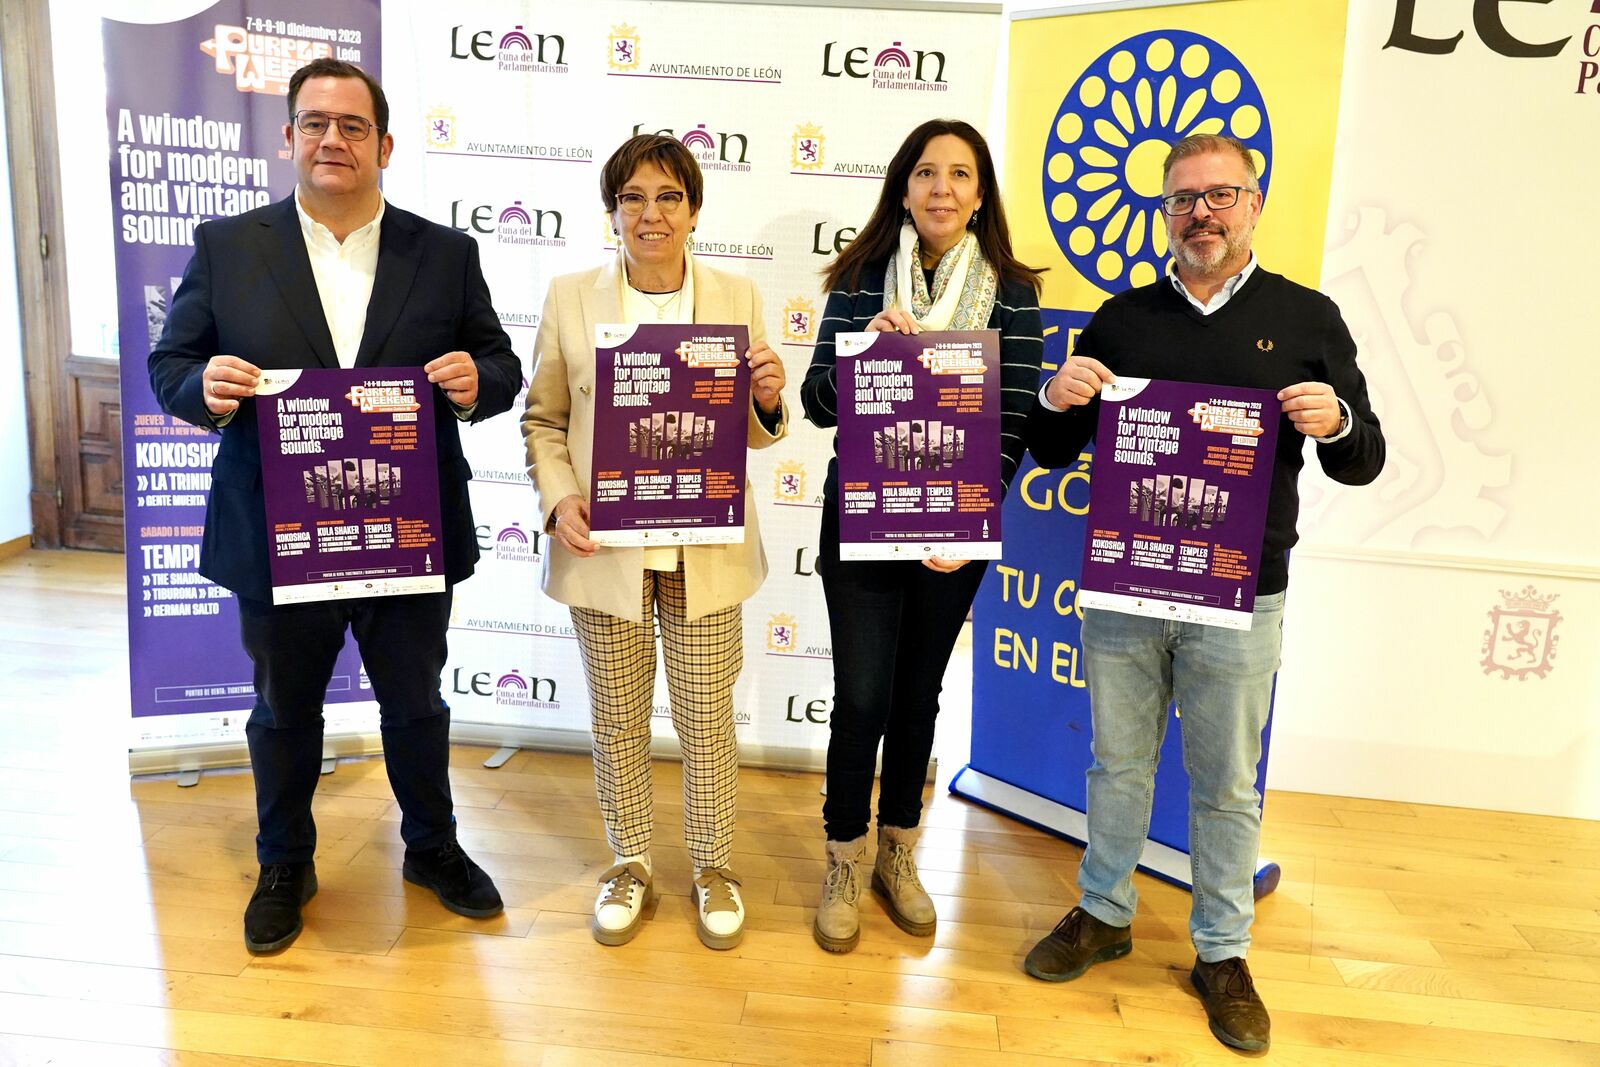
x=1097 y=99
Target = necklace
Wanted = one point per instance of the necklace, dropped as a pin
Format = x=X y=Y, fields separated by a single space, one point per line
x=661 y=306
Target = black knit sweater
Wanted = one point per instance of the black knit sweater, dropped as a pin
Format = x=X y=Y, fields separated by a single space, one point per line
x=1015 y=315
x=1270 y=334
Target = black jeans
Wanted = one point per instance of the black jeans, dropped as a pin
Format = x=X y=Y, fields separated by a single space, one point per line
x=402 y=642
x=894 y=624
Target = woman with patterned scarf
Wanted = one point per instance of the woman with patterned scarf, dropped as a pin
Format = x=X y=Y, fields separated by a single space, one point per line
x=936 y=255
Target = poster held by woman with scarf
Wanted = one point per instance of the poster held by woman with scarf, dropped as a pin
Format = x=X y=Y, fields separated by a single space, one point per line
x=919 y=445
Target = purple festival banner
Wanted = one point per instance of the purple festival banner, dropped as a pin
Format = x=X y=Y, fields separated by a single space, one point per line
x=351 y=479
x=195 y=112
x=919 y=445
x=672 y=407
x=1178 y=504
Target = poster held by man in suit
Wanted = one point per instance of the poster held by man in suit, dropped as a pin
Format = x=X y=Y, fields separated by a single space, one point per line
x=389 y=545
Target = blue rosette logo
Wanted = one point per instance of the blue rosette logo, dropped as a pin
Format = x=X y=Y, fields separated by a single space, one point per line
x=1103 y=154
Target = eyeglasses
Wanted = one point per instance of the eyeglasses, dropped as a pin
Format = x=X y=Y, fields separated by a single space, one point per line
x=351 y=127
x=670 y=202
x=1219 y=199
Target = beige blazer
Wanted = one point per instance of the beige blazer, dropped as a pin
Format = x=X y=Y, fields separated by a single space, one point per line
x=558 y=427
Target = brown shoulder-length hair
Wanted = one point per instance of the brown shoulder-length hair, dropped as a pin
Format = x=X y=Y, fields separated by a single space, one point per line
x=880 y=237
x=665 y=152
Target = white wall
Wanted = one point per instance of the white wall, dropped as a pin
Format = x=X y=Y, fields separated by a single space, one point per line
x=1462 y=266
x=15 y=520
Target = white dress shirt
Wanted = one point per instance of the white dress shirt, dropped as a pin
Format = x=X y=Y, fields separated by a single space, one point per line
x=1221 y=296
x=343 y=271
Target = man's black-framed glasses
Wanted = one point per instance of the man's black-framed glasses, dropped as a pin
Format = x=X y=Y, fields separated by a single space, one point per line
x=670 y=202
x=316 y=123
x=1219 y=199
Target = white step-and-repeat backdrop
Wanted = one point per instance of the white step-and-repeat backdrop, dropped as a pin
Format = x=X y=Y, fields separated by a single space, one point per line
x=505 y=114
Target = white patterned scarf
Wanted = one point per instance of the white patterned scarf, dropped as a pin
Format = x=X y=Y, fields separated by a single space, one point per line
x=964 y=284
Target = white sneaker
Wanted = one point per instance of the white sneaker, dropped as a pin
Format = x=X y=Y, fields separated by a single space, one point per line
x=625 y=889
x=721 y=908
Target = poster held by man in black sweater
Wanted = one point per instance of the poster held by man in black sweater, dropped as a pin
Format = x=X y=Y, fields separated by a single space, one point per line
x=1218 y=318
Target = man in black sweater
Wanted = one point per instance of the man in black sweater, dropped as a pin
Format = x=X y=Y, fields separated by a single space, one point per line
x=1217 y=318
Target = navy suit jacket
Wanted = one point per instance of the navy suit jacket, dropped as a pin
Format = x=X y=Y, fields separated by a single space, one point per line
x=249 y=292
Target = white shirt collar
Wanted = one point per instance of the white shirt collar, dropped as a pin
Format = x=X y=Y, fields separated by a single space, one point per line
x=1222 y=296
x=316 y=231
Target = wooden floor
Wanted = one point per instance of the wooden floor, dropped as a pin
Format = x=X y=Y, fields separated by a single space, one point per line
x=1401 y=934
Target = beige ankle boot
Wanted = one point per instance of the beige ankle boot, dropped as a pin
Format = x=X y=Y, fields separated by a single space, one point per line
x=838 y=925
x=894 y=879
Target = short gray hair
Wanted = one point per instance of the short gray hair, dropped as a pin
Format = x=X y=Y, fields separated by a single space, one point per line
x=1198 y=144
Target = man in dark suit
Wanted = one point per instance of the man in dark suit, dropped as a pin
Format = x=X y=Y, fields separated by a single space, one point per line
x=329 y=277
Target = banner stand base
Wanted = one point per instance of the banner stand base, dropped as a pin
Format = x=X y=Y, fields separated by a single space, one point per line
x=511 y=739
x=188 y=763
x=191 y=760
x=508 y=740
x=1160 y=861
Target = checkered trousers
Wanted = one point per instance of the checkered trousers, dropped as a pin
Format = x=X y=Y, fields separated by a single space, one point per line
x=703 y=660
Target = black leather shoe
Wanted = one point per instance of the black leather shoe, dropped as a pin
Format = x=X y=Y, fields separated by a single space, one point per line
x=1237 y=1016
x=1078 y=942
x=462 y=885
x=272 y=918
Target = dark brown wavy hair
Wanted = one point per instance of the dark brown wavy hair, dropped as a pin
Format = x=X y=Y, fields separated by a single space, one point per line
x=880 y=237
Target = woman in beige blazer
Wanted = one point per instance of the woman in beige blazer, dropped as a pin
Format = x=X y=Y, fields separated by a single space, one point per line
x=652 y=190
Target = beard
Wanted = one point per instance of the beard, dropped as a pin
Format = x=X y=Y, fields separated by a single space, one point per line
x=1235 y=244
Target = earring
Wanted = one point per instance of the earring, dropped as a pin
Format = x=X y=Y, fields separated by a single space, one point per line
x=972 y=223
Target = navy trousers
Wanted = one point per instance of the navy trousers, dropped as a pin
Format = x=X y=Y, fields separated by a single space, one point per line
x=402 y=640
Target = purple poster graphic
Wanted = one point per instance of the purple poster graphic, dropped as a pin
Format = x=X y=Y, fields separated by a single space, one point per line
x=195 y=112
x=1178 y=504
x=672 y=409
x=351 y=479
x=919 y=445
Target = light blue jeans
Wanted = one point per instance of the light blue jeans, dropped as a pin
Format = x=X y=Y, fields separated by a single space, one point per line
x=1222 y=682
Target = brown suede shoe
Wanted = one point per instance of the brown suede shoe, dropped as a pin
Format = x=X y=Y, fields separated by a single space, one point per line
x=1238 y=1018
x=1078 y=942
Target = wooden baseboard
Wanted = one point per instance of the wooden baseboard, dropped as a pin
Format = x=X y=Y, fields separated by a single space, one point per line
x=15 y=547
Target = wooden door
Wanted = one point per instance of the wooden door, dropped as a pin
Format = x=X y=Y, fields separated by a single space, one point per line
x=73 y=400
